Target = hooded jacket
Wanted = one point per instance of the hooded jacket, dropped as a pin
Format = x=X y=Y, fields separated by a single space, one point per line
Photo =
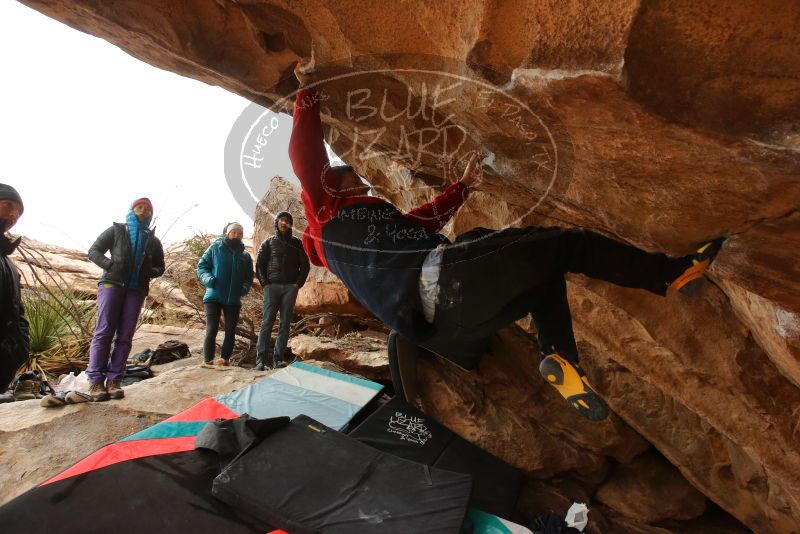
x=119 y=269
x=226 y=272
x=14 y=341
x=374 y=249
x=281 y=258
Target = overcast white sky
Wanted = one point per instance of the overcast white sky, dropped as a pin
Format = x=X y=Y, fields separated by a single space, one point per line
x=85 y=129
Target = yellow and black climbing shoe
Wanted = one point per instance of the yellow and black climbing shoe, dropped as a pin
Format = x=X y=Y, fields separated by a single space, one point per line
x=691 y=279
x=571 y=382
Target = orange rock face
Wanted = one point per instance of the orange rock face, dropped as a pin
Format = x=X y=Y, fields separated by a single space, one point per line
x=662 y=124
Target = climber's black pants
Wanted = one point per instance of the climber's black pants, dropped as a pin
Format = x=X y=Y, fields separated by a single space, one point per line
x=490 y=279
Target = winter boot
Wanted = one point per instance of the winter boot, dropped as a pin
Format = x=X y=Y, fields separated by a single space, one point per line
x=692 y=278
x=571 y=382
x=115 y=389
x=98 y=392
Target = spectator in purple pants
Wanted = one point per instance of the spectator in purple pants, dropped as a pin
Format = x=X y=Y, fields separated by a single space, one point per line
x=136 y=258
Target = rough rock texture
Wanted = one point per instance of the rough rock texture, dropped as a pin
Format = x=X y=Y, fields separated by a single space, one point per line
x=507 y=409
x=660 y=123
x=650 y=489
x=282 y=195
x=365 y=356
x=149 y=336
x=38 y=443
x=323 y=292
x=38 y=260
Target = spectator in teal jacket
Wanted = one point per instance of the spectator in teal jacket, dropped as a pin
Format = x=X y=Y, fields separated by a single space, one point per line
x=226 y=270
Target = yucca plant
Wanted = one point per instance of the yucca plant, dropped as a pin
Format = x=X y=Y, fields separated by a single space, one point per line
x=46 y=324
x=60 y=326
x=61 y=322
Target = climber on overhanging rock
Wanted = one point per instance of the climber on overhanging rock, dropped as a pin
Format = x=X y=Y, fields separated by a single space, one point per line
x=451 y=297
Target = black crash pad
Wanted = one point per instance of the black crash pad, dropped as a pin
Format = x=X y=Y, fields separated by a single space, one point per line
x=308 y=478
x=400 y=429
x=154 y=495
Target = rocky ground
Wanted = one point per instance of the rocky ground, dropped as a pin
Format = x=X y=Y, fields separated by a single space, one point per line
x=40 y=442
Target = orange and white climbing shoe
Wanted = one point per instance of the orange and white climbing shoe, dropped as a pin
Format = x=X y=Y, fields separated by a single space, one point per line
x=571 y=382
x=691 y=279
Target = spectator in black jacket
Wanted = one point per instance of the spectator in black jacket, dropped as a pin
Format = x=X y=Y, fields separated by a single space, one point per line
x=282 y=268
x=13 y=326
x=136 y=257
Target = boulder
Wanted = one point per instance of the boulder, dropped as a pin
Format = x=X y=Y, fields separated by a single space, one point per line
x=650 y=489
x=365 y=356
x=662 y=124
x=150 y=336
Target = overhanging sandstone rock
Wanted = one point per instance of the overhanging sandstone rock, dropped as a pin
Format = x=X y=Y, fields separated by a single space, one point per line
x=660 y=123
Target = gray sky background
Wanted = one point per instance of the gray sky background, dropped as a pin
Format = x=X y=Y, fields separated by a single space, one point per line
x=85 y=129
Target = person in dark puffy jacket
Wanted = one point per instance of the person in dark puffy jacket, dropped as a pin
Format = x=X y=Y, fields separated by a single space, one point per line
x=136 y=257
x=282 y=268
x=14 y=339
x=226 y=270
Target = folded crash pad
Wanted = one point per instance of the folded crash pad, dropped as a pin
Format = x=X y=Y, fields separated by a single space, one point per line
x=327 y=396
x=307 y=478
x=400 y=429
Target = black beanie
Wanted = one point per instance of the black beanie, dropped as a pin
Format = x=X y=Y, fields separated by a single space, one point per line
x=284 y=214
x=9 y=193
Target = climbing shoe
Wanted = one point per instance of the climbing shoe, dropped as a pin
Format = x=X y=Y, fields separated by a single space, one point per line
x=114 y=388
x=692 y=278
x=98 y=392
x=571 y=382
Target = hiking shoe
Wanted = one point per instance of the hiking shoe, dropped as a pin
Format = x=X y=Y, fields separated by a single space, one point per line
x=280 y=364
x=77 y=397
x=692 y=278
x=222 y=362
x=571 y=382
x=114 y=388
x=53 y=401
x=98 y=392
x=8 y=396
x=25 y=390
x=260 y=367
